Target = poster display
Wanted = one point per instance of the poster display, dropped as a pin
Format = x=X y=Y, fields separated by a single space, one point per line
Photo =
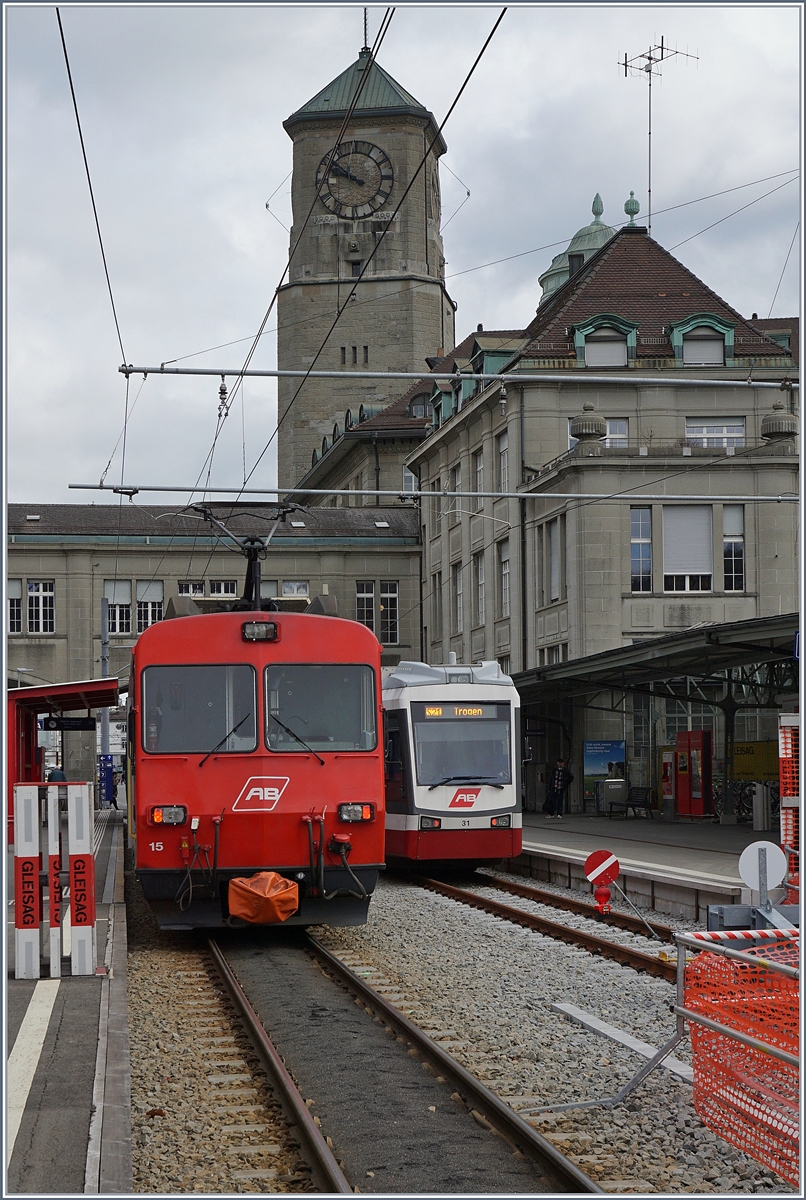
x=603 y=760
x=667 y=773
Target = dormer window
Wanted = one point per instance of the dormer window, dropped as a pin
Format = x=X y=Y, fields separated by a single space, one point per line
x=420 y=408
x=606 y=347
x=703 y=347
x=575 y=263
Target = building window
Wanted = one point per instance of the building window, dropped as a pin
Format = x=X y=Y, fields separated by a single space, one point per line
x=503 y=578
x=703 y=347
x=355 y=356
x=606 y=347
x=503 y=462
x=149 y=602
x=295 y=587
x=436 y=507
x=191 y=587
x=41 y=618
x=733 y=546
x=456 y=486
x=478 y=588
x=356 y=269
x=366 y=355
x=456 y=597
x=554 y=572
x=715 y=435
x=365 y=603
x=14 y=593
x=504 y=663
x=344 y=356
x=478 y=478
x=118 y=593
x=641 y=549
x=223 y=587
x=390 y=625
x=436 y=605
x=268 y=589
x=410 y=484
x=688 y=556
x=575 y=263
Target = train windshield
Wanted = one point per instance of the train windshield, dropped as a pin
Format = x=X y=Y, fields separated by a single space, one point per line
x=328 y=706
x=197 y=709
x=461 y=741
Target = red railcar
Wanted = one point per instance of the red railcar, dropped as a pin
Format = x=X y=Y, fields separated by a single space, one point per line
x=254 y=745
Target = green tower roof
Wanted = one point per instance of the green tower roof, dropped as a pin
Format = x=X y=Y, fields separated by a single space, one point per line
x=381 y=95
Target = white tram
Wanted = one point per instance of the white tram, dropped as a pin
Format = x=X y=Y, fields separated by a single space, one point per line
x=452 y=763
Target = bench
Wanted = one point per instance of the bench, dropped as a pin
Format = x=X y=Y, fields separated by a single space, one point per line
x=637 y=798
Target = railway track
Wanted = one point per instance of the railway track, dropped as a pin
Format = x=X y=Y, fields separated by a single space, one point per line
x=453 y=1133
x=638 y=959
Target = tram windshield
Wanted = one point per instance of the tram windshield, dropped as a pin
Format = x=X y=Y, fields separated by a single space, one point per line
x=197 y=709
x=461 y=741
x=328 y=706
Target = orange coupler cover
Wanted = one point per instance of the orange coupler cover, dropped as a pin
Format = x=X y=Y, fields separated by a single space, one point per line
x=264 y=899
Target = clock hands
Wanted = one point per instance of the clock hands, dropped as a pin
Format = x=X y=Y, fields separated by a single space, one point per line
x=337 y=170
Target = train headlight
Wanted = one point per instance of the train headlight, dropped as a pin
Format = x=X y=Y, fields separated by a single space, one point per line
x=356 y=812
x=259 y=631
x=169 y=814
x=501 y=822
x=430 y=823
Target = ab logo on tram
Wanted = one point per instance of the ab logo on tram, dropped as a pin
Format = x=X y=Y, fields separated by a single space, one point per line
x=464 y=798
x=260 y=793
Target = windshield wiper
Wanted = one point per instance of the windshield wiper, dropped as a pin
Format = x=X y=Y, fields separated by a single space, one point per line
x=296 y=737
x=234 y=729
x=473 y=778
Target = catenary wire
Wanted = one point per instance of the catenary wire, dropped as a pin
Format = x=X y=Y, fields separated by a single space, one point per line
x=89 y=183
x=734 y=213
x=786 y=260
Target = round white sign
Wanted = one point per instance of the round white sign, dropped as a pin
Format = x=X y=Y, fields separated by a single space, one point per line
x=776 y=865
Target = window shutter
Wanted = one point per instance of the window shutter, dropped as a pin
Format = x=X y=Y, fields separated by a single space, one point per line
x=14 y=589
x=687 y=542
x=118 y=591
x=733 y=520
x=149 y=589
x=606 y=347
x=703 y=347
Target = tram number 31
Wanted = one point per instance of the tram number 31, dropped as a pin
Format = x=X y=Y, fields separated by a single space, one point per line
x=156 y=846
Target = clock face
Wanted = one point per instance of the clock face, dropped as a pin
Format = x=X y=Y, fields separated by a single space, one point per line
x=358 y=182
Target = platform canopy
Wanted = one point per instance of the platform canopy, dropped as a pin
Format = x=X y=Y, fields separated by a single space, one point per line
x=66 y=697
x=703 y=655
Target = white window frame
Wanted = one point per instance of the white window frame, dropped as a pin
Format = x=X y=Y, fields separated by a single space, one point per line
x=733 y=548
x=14 y=609
x=641 y=537
x=41 y=606
x=502 y=554
x=390 y=612
x=191 y=587
x=478 y=473
x=606 y=347
x=150 y=598
x=457 y=598
x=224 y=587
x=365 y=603
x=555 y=560
x=688 y=552
x=715 y=435
x=478 y=588
x=295 y=589
x=118 y=594
x=410 y=482
x=502 y=446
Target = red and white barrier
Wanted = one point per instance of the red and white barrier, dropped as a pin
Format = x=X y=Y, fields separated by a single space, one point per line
x=27 y=891
x=28 y=864
x=80 y=838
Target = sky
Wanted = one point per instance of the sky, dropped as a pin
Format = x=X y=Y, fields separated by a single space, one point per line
x=181 y=110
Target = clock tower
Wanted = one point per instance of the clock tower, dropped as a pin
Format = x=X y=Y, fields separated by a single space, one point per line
x=400 y=312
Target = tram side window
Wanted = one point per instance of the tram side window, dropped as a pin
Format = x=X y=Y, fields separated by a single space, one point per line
x=396 y=790
x=328 y=706
x=196 y=709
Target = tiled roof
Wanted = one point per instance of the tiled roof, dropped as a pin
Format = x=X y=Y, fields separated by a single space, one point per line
x=634 y=277
x=790 y=325
x=395 y=416
x=135 y=520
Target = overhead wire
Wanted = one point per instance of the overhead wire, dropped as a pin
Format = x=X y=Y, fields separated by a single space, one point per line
x=786 y=260
x=734 y=213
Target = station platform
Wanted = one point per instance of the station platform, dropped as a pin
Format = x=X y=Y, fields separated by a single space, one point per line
x=68 y=1081
x=676 y=868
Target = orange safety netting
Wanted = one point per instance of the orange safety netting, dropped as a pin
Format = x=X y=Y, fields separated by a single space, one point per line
x=789 y=759
x=745 y=1095
x=790 y=841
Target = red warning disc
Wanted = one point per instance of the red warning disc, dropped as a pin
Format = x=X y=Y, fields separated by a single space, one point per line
x=602 y=867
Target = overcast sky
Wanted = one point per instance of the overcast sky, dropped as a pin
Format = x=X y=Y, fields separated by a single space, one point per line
x=182 y=110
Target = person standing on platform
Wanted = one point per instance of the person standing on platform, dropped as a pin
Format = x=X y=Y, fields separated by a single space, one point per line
x=113 y=800
x=56 y=775
x=558 y=781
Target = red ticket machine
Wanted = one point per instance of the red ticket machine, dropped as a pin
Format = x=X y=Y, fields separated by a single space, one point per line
x=693 y=773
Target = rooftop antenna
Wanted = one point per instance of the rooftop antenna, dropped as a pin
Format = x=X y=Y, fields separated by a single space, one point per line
x=648 y=64
x=366 y=42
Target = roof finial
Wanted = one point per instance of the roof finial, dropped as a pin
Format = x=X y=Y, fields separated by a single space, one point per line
x=631 y=207
x=365 y=46
x=597 y=208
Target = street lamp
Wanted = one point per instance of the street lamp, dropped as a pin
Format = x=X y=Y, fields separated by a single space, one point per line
x=22 y=671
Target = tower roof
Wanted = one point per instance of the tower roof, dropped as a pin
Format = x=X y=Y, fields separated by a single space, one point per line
x=381 y=95
x=586 y=241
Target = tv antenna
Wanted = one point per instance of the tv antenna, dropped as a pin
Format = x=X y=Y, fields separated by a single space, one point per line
x=648 y=64
x=366 y=46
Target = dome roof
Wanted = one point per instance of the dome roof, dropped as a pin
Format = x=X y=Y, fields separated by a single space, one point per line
x=586 y=242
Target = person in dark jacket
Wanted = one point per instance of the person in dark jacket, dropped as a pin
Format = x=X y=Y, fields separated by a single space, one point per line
x=558 y=780
x=56 y=775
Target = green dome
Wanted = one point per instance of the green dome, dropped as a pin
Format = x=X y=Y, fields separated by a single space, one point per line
x=586 y=242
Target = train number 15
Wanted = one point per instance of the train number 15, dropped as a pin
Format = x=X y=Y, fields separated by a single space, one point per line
x=156 y=846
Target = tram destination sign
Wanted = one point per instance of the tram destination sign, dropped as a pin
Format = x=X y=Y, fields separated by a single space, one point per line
x=452 y=711
x=69 y=723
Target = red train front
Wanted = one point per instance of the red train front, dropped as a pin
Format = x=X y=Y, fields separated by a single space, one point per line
x=254 y=747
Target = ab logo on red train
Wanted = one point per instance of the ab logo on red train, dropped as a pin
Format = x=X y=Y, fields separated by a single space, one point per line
x=465 y=798
x=260 y=793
